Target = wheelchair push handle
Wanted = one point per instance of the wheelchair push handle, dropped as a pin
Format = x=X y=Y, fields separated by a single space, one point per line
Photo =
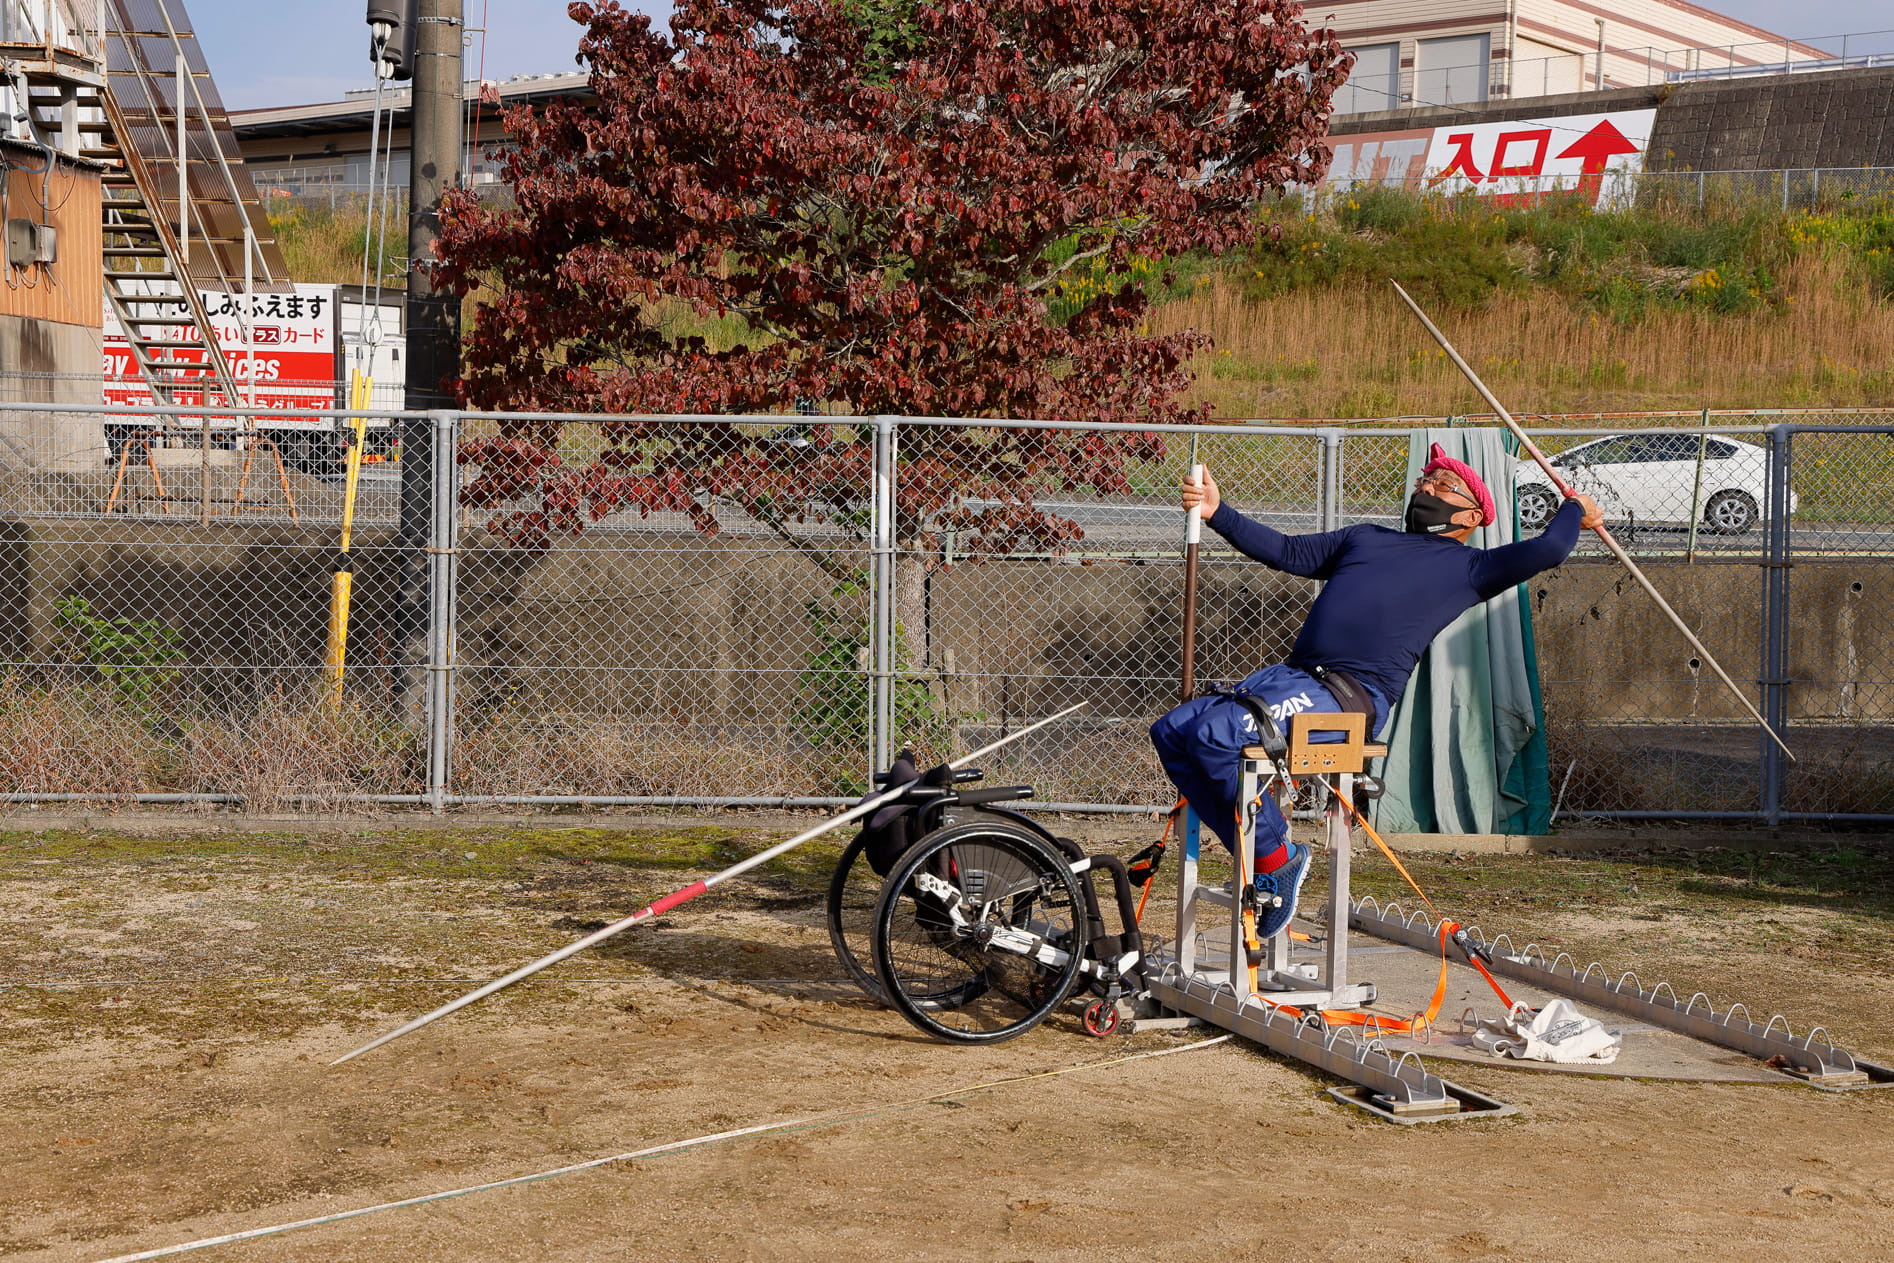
x=993 y=794
x=936 y=776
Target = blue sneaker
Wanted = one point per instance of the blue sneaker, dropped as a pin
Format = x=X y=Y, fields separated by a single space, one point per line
x=1276 y=893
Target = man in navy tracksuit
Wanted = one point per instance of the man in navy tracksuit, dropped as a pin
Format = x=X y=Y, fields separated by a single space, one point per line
x=1386 y=595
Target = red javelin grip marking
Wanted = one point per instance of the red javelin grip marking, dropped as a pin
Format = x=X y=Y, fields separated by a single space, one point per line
x=676 y=897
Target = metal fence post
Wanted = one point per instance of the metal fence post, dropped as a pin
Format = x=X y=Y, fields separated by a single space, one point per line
x=1776 y=619
x=443 y=574
x=1329 y=505
x=882 y=620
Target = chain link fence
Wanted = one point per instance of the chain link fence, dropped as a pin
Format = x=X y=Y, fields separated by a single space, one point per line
x=586 y=610
x=1813 y=189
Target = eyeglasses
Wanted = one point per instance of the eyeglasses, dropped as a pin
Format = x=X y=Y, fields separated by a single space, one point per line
x=1442 y=481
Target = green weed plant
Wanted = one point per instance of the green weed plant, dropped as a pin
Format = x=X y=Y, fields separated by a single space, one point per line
x=134 y=658
x=836 y=693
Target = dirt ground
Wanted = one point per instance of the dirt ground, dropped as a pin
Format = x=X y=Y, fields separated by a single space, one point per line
x=170 y=1005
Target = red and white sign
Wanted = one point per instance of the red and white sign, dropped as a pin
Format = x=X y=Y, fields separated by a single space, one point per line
x=1528 y=156
x=291 y=356
x=1521 y=159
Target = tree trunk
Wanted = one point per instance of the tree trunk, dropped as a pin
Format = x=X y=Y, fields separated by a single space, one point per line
x=913 y=635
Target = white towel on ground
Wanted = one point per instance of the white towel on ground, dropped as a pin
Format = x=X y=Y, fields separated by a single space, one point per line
x=1558 y=1032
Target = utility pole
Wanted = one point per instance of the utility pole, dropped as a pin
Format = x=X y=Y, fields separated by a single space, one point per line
x=433 y=322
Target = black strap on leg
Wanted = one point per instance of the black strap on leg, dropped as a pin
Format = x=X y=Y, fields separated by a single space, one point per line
x=1269 y=732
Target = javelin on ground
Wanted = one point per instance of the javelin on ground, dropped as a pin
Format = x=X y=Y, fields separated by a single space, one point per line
x=1617 y=550
x=688 y=893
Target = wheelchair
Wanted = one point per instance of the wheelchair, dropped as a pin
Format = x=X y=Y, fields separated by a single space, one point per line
x=974 y=921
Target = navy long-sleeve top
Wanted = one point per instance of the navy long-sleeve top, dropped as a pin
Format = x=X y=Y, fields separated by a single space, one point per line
x=1389 y=593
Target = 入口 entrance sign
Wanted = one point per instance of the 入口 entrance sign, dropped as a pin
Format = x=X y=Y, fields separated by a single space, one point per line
x=1520 y=158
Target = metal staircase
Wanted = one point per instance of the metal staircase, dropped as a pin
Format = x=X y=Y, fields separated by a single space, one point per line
x=125 y=84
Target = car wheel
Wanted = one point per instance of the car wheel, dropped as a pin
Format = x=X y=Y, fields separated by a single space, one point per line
x=1730 y=512
x=1537 y=504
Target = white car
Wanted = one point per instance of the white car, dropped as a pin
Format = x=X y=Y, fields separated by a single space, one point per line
x=1642 y=478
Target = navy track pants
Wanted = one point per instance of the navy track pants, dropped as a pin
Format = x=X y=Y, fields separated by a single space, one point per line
x=1200 y=744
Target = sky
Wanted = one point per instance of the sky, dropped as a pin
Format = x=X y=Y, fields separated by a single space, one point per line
x=271 y=53
x=294 y=54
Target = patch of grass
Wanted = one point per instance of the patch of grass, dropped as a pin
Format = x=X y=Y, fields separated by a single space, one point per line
x=458 y=855
x=324 y=244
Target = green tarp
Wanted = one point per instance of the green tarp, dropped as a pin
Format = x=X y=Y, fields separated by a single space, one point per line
x=1466 y=745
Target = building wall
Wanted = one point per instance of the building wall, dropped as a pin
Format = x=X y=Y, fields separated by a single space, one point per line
x=310 y=149
x=310 y=165
x=1460 y=52
x=50 y=315
x=67 y=196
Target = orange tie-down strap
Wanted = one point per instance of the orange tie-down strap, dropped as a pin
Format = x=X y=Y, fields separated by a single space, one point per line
x=1379 y=1023
x=1446 y=926
x=1393 y=1025
x=1157 y=855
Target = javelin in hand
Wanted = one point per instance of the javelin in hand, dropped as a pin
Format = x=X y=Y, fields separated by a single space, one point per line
x=1617 y=550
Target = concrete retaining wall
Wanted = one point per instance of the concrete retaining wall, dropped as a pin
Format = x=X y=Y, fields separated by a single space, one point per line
x=718 y=630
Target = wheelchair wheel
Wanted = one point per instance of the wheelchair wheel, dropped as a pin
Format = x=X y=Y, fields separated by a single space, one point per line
x=978 y=935
x=854 y=891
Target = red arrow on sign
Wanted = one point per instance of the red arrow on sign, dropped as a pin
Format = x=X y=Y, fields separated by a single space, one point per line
x=1595 y=150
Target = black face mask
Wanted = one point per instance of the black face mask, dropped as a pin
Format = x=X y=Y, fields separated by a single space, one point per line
x=1430 y=515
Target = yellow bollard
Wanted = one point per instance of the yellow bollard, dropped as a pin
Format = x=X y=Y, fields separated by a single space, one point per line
x=342 y=581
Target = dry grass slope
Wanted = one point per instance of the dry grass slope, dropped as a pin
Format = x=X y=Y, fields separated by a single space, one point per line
x=1287 y=357
x=1561 y=309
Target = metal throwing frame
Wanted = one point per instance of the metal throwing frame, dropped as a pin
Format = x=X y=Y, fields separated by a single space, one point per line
x=1817 y=1063
x=1395 y=1087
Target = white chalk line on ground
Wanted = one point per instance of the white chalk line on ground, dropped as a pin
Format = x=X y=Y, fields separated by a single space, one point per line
x=794 y=1124
x=10 y=984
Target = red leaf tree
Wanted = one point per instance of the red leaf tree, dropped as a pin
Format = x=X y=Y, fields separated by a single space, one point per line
x=926 y=210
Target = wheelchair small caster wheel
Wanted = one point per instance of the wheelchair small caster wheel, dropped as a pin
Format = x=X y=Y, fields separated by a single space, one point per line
x=1101 y=1018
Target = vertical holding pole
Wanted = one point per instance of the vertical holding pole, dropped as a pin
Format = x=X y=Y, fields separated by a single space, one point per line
x=1328 y=510
x=443 y=576
x=1192 y=830
x=1193 y=539
x=1775 y=617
